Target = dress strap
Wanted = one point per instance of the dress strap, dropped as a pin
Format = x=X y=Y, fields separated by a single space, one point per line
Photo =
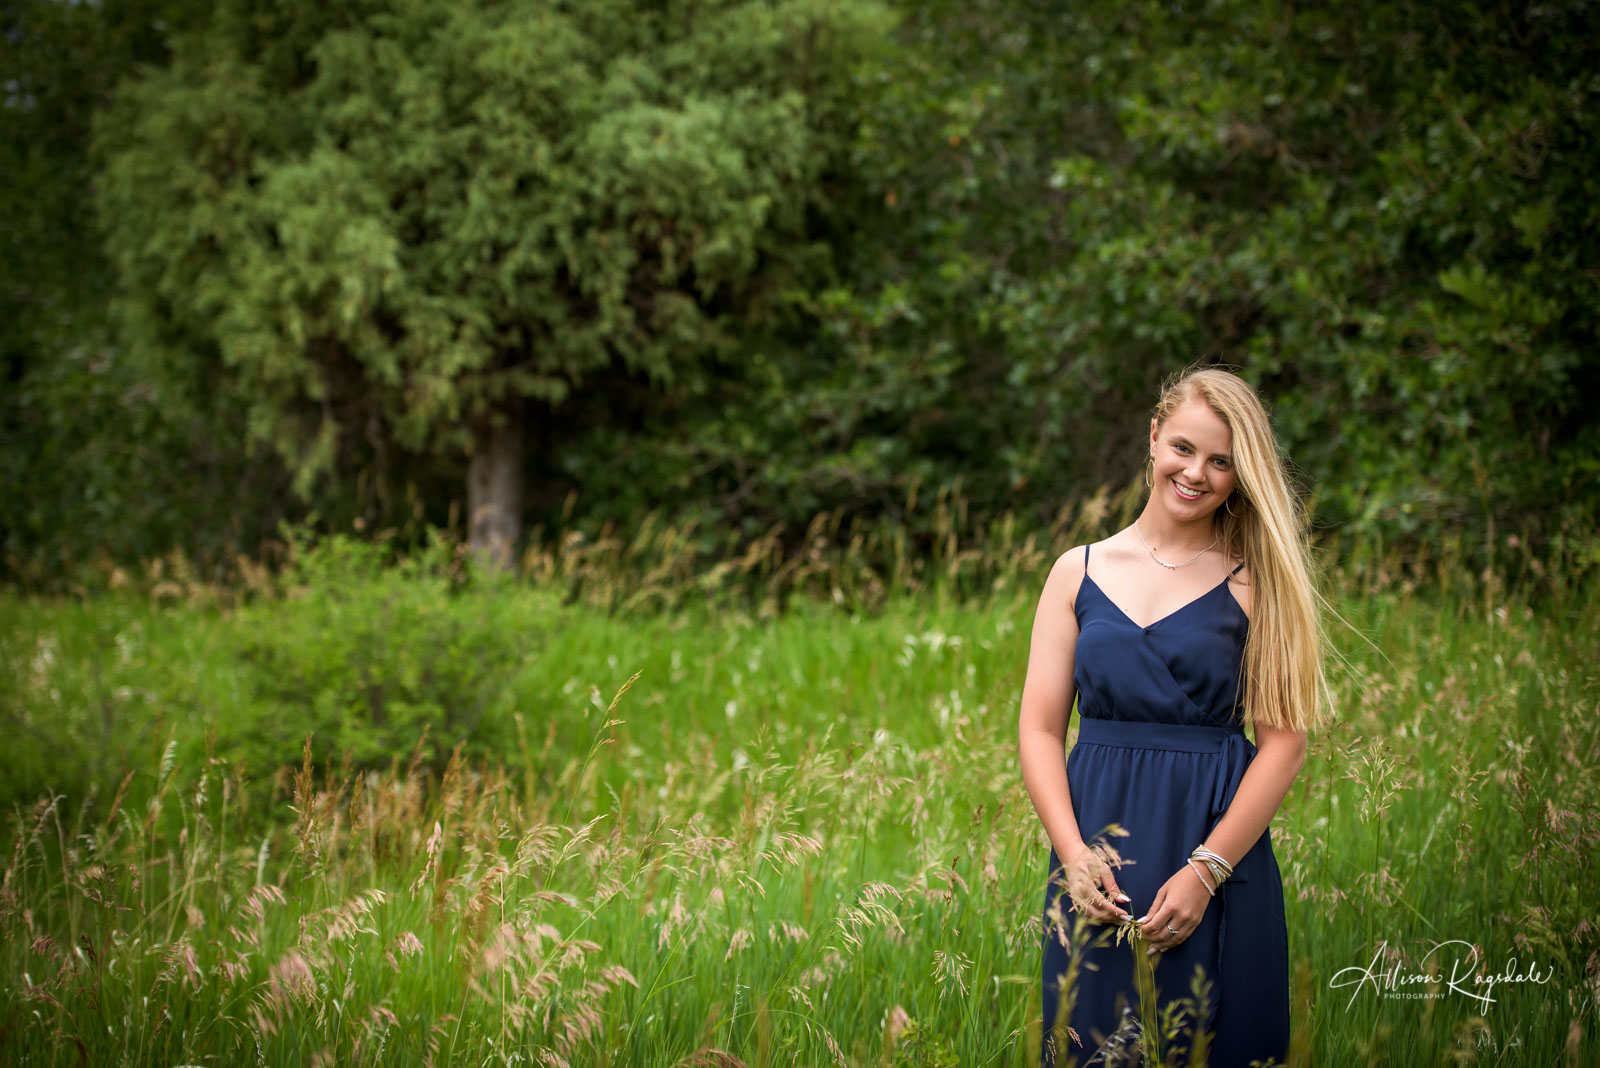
x=1235 y=571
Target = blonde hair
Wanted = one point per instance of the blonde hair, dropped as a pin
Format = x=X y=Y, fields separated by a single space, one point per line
x=1285 y=684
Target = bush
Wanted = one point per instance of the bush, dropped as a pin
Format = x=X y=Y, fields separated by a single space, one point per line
x=366 y=657
x=919 y=1047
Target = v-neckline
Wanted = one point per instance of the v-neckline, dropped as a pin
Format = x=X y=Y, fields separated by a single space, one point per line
x=1151 y=626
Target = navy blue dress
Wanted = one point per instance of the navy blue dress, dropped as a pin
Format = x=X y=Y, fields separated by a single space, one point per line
x=1160 y=753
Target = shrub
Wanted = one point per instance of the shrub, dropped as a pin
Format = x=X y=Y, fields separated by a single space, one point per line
x=367 y=658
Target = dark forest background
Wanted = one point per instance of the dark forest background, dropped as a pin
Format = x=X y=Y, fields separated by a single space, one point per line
x=738 y=264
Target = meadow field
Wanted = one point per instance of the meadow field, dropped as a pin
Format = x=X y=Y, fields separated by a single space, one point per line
x=398 y=815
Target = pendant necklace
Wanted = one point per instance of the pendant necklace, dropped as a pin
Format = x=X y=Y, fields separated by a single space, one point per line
x=1162 y=562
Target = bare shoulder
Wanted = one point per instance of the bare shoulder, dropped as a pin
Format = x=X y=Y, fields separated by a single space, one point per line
x=1239 y=586
x=1061 y=586
x=1055 y=620
x=1069 y=570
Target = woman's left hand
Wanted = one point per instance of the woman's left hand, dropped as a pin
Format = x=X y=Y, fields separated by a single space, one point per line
x=1180 y=903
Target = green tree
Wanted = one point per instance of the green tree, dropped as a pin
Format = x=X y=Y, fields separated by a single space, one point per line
x=1381 y=212
x=84 y=452
x=427 y=224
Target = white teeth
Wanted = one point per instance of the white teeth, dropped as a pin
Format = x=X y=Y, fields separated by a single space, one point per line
x=1187 y=492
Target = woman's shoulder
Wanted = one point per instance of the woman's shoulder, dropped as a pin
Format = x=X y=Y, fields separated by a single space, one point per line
x=1070 y=564
x=1066 y=575
x=1239 y=584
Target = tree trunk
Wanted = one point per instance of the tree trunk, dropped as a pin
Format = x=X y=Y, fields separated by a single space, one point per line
x=494 y=491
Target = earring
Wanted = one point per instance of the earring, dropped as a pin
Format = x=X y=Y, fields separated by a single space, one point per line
x=1228 y=504
x=1147 y=472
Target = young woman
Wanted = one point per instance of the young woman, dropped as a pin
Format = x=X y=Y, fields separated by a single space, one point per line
x=1172 y=635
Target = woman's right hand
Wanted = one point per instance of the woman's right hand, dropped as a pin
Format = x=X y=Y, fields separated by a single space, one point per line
x=1093 y=887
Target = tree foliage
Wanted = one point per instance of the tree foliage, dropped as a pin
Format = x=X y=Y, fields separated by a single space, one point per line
x=91 y=460
x=1382 y=213
x=746 y=262
x=399 y=220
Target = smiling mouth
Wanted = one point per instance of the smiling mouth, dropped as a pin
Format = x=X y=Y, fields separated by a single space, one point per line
x=1186 y=493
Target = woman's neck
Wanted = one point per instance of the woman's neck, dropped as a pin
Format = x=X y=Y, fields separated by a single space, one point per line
x=1166 y=535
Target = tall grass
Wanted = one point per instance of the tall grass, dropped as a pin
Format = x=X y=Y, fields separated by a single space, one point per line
x=934 y=546
x=782 y=832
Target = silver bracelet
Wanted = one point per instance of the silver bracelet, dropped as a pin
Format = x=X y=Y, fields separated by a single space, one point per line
x=1220 y=869
x=1202 y=878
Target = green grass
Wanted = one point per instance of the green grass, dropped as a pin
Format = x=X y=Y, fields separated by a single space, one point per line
x=787 y=838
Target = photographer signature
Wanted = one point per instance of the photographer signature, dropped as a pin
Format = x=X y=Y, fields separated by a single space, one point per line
x=1465 y=976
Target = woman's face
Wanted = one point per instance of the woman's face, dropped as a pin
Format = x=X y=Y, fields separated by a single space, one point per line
x=1193 y=450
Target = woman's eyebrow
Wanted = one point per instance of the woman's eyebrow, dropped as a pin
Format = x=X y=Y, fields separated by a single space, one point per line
x=1186 y=441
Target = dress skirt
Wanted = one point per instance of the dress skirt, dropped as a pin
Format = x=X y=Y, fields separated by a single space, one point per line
x=1166 y=785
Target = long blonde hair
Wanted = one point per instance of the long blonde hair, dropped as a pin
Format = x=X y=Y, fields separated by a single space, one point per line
x=1285 y=684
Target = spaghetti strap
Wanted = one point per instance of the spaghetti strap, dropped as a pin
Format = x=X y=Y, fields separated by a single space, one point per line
x=1235 y=571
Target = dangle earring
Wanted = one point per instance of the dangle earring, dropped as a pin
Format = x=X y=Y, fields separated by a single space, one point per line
x=1147 y=472
x=1228 y=504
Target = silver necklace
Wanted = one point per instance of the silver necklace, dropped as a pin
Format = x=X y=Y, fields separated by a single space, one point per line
x=1162 y=562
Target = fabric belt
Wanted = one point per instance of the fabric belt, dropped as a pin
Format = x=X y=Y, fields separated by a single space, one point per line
x=1233 y=750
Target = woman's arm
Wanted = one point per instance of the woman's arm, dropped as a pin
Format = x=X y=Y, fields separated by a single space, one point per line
x=1279 y=756
x=1047 y=696
x=1182 y=900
